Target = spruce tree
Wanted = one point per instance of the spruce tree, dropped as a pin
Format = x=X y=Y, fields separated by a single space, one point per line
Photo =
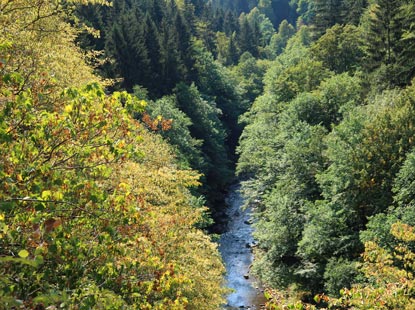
x=152 y=41
x=199 y=6
x=247 y=37
x=232 y=52
x=230 y=23
x=126 y=44
x=265 y=7
x=384 y=40
x=169 y=57
x=183 y=34
x=327 y=14
x=354 y=10
x=156 y=10
x=405 y=56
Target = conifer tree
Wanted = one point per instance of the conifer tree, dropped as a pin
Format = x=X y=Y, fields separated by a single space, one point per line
x=283 y=10
x=152 y=41
x=279 y=40
x=327 y=14
x=230 y=23
x=170 y=57
x=265 y=7
x=156 y=10
x=126 y=45
x=246 y=37
x=182 y=30
x=199 y=6
x=354 y=10
x=233 y=54
x=384 y=40
x=405 y=57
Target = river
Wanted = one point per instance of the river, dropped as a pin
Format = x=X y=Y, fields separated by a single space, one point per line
x=235 y=246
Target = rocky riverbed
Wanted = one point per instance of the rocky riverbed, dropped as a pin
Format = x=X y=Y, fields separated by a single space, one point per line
x=236 y=249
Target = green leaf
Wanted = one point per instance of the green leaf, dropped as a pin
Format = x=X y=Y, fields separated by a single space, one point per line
x=11 y=259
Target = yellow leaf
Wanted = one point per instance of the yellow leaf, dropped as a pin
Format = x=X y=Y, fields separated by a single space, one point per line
x=68 y=108
x=123 y=185
x=46 y=194
x=23 y=253
x=58 y=195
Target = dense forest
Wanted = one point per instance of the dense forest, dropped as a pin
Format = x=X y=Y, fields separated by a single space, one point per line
x=123 y=122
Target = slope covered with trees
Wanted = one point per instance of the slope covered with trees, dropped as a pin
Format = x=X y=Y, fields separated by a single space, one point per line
x=178 y=56
x=326 y=154
x=112 y=115
x=322 y=91
x=95 y=213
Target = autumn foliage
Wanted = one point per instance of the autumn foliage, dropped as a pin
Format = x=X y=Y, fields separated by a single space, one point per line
x=94 y=213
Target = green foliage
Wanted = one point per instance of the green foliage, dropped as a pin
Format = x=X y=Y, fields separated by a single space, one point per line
x=249 y=74
x=248 y=36
x=323 y=162
x=174 y=125
x=217 y=85
x=340 y=48
x=340 y=273
x=265 y=27
x=404 y=183
x=379 y=225
x=327 y=14
x=326 y=154
x=305 y=10
x=67 y=208
x=389 y=282
x=282 y=150
x=227 y=51
x=206 y=127
x=389 y=43
x=279 y=40
x=305 y=76
x=366 y=151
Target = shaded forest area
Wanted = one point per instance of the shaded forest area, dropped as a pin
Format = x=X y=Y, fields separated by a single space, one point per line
x=183 y=57
x=120 y=121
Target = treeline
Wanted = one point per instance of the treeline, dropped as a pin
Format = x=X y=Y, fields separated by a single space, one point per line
x=327 y=155
x=153 y=40
x=95 y=212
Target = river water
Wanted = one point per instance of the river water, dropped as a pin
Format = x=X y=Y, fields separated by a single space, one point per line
x=235 y=246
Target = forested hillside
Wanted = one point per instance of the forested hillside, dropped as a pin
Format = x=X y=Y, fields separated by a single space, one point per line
x=181 y=57
x=95 y=212
x=123 y=122
x=327 y=154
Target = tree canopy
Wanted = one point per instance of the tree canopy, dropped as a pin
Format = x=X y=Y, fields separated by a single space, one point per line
x=122 y=124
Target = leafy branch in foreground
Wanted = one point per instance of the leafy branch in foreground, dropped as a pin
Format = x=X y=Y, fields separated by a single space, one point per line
x=94 y=213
